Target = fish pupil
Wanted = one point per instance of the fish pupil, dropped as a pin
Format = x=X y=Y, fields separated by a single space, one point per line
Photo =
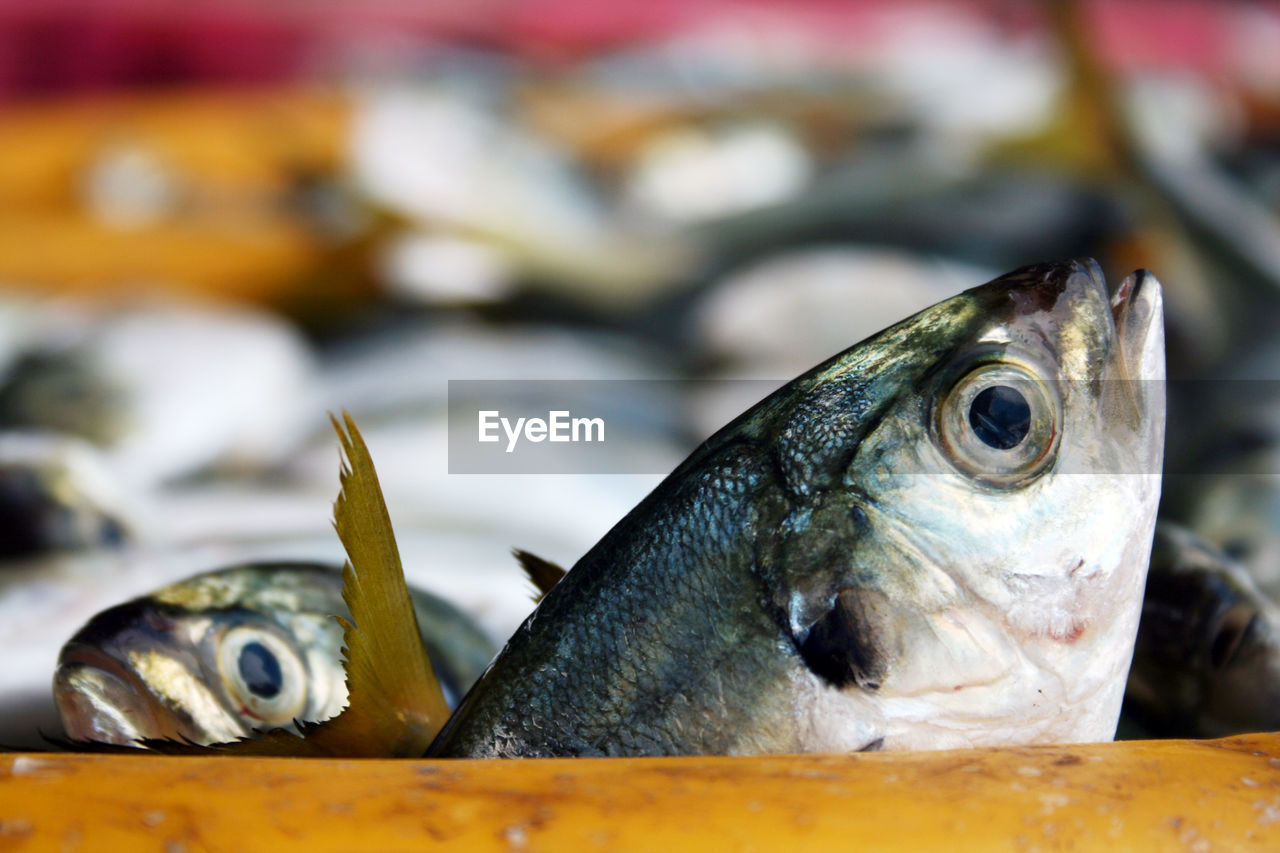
x=1000 y=417
x=261 y=671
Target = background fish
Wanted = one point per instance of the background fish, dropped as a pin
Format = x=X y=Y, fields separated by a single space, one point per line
x=1225 y=483
x=935 y=539
x=55 y=496
x=1207 y=659
x=247 y=648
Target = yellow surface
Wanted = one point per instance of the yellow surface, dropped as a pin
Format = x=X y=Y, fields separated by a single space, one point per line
x=224 y=142
x=260 y=260
x=1170 y=795
x=227 y=226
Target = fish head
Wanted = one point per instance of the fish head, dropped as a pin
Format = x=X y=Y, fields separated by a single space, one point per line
x=969 y=499
x=208 y=660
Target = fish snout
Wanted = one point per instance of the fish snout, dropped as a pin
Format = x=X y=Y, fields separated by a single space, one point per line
x=1093 y=270
x=1138 y=308
x=99 y=705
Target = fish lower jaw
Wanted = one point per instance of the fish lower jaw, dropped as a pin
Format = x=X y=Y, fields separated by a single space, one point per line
x=1050 y=723
x=89 y=711
x=1027 y=706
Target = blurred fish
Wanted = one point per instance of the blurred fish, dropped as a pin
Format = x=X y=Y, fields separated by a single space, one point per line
x=225 y=653
x=896 y=195
x=163 y=390
x=1207 y=658
x=450 y=162
x=691 y=174
x=1225 y=462
x=937 y=538
x=56 y=495
x=61 y=388
x=1239 y=512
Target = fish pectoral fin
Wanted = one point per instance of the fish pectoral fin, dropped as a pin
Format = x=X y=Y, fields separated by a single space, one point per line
x=543 y=574
x=395 y=704
x=844 y=646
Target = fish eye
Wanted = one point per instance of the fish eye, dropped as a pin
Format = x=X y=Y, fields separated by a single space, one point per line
x=1000 y=416
x=263 y=675
x=999 y=423
x=260 y=671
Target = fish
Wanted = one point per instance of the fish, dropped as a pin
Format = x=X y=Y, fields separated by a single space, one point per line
x=234 y=389
x=937 y=538
x=57 y=495
x=1237 y=508
x=1225 y=476
x=1207 y=658
x=63 y=390
x=243 y=649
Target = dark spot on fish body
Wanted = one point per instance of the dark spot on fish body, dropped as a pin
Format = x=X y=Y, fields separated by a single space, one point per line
x=814 y=590
x=1031 y=301
x=1036 y=288
x=123 y=623
x=842 y=648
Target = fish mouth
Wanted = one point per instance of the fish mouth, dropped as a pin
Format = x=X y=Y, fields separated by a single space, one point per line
x=1093 y=270
x=1137 y=308
x=98 y=701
